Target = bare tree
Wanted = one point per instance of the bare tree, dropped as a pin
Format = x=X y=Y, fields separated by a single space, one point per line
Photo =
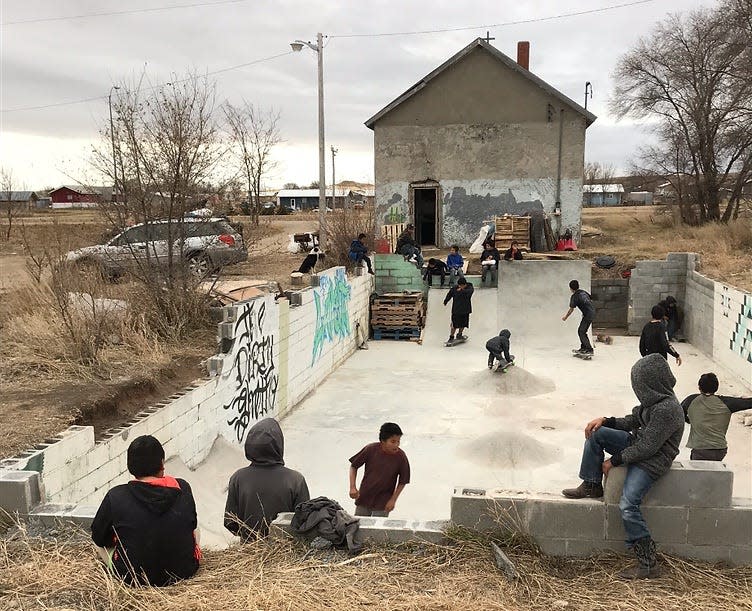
x=596 y=173
x=291 y=185
x=255 y=133
x=7 y=186
x=692 y=75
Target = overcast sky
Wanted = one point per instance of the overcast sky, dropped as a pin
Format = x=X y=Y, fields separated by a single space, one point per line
x=48 y=62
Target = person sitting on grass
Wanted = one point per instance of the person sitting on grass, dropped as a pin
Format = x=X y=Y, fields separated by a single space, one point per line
x=709 y=416
x=359 y=252
x=462 y=307
x=387 y=472
x=498 y=348
x=146 y=529
x=653 y=338
x=454 y=263
x=646 y=442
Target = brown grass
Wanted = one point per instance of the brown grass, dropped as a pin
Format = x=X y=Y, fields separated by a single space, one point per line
x=651 y=232
x=62 y=573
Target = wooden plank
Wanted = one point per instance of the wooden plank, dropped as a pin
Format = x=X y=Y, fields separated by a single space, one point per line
x=391 y=233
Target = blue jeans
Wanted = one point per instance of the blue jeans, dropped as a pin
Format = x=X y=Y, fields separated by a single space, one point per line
x=636 y=484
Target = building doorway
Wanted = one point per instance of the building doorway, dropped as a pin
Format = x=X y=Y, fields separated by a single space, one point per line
x=425 y=207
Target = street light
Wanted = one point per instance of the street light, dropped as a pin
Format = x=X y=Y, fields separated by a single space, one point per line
x=112 y=136
x=297 y=45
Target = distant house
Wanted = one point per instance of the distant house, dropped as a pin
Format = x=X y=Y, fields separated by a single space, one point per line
x=22 y=201
x=76 y=196
x=308 y=199
x=602 y=195
x=639 y=198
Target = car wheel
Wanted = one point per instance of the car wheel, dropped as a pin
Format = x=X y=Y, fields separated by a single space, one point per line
x=199 y=265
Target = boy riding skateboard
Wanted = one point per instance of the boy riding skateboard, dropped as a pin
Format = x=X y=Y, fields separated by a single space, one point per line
x=498 y=350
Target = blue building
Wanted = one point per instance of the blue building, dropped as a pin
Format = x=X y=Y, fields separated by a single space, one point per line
x=594 y=196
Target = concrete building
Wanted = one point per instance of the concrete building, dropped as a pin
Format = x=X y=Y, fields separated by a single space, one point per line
x=479 y=136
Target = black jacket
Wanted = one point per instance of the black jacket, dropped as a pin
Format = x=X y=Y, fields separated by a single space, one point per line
x=581 y=299
x=500 y=344
x=653 y=340
x=517 y=256
x=490 y=252
x=405 y=238
x=265 y=488
x=460 y=299
x=325 y=518
x=151 y=527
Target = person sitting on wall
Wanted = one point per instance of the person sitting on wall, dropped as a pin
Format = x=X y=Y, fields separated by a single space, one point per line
x=489 y=262
x=709 y=416
x=455 y=263
x=653 y=338
x=513 y=253
x=359 y=252
x=408 y=247
x=265 y=488
x=646 y=442
x=435 y=266
x=673 y=316
x=146 y=529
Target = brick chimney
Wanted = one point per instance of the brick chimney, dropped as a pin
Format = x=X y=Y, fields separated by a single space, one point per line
x=523 y=54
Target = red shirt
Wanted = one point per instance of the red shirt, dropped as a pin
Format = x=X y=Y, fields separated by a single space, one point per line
x=381 y=476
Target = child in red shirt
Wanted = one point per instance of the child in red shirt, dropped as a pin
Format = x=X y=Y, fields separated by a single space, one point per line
x=386 y=474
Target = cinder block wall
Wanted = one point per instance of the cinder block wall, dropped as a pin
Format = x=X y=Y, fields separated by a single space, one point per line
x=689 y=512
x=394 y=275
x=276 y=352
x=611 y=301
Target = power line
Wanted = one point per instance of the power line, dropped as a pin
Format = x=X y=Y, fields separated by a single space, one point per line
x=128 y=12
x=175 y=82
x=496 y=25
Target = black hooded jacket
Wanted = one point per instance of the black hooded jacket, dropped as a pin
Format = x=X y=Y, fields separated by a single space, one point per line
x=656 y=424
x=500 y=344
x=151 y=526
x=265 y=488
x=460 y=298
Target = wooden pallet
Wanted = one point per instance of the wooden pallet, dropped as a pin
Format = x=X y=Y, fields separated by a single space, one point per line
x=396 y=322
x=512 y=228
x=391 y=233
x=403 y=333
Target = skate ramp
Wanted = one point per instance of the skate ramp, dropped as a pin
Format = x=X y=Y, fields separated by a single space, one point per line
x=534 y=295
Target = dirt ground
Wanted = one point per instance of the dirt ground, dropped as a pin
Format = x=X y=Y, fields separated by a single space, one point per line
x=35 y=405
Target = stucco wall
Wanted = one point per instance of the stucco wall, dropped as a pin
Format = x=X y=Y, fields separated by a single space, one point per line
x=276 y=354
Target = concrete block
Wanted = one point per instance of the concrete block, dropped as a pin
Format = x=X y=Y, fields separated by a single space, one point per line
x=580 y=548
x=20 y=491
x=731 y=526
x=51 y=514
x=740 y=556
x=704 y=553
x=666 y=524
x=567 y=519
x=688 y=483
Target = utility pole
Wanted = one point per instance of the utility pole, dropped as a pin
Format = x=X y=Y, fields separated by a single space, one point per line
x=334 y=184
x=588 y=88
x=112 y=136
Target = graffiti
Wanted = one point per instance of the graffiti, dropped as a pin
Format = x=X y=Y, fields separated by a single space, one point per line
x=394 y=216
x=741 y=337
x=332 y=299
x=256 y=378
x=725 y=301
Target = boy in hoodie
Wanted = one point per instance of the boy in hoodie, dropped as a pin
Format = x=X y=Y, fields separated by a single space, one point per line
x=454 y=263
x=387 y=471
x=673 y=316
x=147 y=526
x=646 y=442
x=461 y=308
x=498 y=348
x=581 y=299
x=265 y=488
x=359 y=252
x=435 y=266
x=653 y=339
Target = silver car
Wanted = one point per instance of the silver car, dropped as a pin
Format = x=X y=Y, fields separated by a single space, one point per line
x=203 y=244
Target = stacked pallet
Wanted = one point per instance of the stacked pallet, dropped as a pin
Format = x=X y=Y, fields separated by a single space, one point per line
x=397 y=315
x=512 y=229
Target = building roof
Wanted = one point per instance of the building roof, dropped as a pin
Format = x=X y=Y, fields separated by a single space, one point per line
x=298 y=193
x=505 y=59
x=602 y=189
x=87 y=190
x=17 y=196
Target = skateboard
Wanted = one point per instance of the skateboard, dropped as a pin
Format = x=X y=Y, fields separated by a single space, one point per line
x=502 y=367
x=455 y=341
x=584 y=357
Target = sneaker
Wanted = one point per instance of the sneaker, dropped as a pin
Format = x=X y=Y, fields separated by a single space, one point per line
x=451 y=338
x=590 y=352
x=578 y=351
x=462 y=337
x=412 y=259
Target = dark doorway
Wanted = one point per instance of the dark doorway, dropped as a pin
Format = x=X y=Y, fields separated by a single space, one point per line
x=425 y=216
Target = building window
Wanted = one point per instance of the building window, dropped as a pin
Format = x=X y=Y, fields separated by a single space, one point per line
x=70 y=197
x=292 y=201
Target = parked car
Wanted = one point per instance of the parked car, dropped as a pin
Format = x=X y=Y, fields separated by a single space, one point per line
x=204 y=245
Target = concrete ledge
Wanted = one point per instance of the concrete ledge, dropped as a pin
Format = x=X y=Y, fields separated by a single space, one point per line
x=19 y=491
x=690 y=483
x=52 y=515
x=381 y=530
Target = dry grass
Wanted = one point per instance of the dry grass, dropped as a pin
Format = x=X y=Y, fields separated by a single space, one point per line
x=43 y=574
x=651 y=232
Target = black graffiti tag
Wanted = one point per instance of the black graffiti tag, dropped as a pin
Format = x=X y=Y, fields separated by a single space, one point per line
x=256 y=378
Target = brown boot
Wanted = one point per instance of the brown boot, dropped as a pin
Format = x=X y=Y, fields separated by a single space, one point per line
x=647 y=564
x=586 y=490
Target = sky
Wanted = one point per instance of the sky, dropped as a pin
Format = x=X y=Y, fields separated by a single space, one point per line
x=49 y=61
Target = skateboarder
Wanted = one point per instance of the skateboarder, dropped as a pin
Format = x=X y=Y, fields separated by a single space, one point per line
x=581 y=299
x=460 y=296
x=498 y=348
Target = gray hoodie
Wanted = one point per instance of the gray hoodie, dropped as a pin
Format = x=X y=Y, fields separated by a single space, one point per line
x=265 y=488
x=656 y=424
x=500 y=344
